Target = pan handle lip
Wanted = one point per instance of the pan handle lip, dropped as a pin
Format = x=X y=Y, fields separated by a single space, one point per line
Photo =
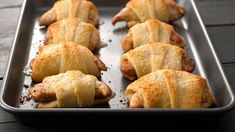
x=191 y=111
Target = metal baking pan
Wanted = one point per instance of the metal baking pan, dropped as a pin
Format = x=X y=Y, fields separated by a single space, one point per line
x=30 y=35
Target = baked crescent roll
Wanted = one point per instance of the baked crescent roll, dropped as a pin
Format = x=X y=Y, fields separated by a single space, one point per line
x=151 y=31
x=71 y=89
x=83 y=9
x=151 y=57
x=137 y=11
x=73 y=29
x=57 y=58
x=169 y=89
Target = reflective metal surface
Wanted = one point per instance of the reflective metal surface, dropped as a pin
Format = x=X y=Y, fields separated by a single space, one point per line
x=30 y=36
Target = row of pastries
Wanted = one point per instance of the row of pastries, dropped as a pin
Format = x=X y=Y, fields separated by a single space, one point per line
x=66 y=70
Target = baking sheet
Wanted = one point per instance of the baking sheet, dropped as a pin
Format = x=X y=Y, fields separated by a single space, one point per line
x=29 y=36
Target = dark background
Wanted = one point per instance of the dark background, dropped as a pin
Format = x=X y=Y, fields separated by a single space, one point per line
x=219 y=19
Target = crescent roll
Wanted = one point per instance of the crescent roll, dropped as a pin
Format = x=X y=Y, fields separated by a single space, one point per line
x=137 y=11
x=82 y=9
x=57 y=58
x=70 y=89
x=169 y=89
x=151 y=57
x=73 y=29
x=151 y=31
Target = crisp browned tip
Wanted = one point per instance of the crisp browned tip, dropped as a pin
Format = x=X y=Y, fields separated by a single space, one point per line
x=42 y=93
x=177 y=39
x=182 y=10
x=100 y=64
x=116 y=19
x=127 y=42
x=188 y=64
x=136 y=101
x=127 y=69
x=175 y=10
x=47 y=18
x=102 y=90
x=31 y=63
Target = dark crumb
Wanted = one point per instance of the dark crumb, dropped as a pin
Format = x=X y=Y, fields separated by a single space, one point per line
x=121 y=101
x=110 y=40
x=27 y=74
x=23 y=99
x=26 y=86
x=28 y=98
x=36 y=52
x=109 y=81
x=101 y=73
x=111 y=65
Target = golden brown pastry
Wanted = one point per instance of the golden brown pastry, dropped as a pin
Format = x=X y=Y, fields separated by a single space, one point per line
x=73 y=29
x=151 y=57
x=137 y=11
x=151 y=31
x=57 y=58
x=169 y=89
x=70 y=89
x=83 y=9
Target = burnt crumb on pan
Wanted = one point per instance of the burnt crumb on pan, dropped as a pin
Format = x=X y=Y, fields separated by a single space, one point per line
x=27 y=71
x=109 y=81
x=23 y=99
x=123 y=102
x=102 y=73
x=26 y=86
x=110 y=40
